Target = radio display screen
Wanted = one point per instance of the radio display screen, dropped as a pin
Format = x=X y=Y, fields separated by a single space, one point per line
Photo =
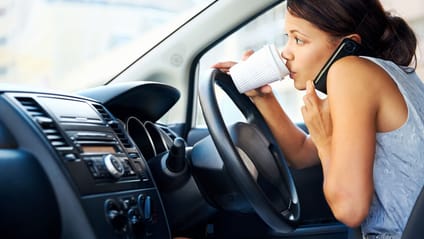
x=98 y=149
x=71 y=110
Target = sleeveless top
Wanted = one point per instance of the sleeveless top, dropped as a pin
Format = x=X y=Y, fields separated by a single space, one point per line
x=399 y=159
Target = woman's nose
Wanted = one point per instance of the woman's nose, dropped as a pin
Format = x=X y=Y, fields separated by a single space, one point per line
x=286 y=54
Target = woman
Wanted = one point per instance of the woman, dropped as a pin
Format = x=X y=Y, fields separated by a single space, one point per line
x=368 y=132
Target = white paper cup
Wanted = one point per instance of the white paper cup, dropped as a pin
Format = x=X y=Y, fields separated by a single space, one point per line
x=262 y=67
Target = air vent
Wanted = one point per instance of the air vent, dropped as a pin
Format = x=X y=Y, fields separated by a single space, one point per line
x=115 y=125
x=171 y=134
x=46 y=123
x=105 y=115
x=32 y=107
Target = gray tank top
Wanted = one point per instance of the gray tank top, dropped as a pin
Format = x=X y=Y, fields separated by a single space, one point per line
x=399 y=159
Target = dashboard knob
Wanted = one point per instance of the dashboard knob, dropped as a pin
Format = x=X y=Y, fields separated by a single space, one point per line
x=114 y=165
x=115 y=215
x=144 y=206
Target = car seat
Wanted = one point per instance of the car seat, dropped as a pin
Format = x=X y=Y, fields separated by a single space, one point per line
x=415 y=226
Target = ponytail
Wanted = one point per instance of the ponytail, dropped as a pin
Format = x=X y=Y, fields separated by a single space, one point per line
x=398 y=42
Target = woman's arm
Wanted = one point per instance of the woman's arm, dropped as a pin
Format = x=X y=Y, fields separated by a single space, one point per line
x=347 y=158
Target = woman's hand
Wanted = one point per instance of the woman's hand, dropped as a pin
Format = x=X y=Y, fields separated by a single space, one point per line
x=316 y=114
x=226 y=65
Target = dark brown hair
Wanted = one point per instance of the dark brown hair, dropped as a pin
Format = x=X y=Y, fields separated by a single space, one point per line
x=384 y=35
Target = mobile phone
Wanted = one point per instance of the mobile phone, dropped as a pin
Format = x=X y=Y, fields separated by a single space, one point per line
x=347 y=47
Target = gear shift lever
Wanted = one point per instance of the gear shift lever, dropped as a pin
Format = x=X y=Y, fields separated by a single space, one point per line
x=171 y=169
x=176 y=156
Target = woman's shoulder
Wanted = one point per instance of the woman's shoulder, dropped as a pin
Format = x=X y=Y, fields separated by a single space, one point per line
x=357 y=74
x=354 y=66
x=362 y=85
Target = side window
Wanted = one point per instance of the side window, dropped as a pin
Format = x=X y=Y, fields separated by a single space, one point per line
x=265 y=29
x=268 y=28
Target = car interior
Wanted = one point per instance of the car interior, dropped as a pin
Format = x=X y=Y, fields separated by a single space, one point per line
x=166 y=148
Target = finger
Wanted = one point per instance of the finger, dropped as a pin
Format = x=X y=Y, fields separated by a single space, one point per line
x=247 y=54
x=263 y=90
x=311 y=104
x=303 y=110
x=310 y=88
x=266 y=89
x=311 y=93
x=307 y=101
x=224 y=65
x=305 y=114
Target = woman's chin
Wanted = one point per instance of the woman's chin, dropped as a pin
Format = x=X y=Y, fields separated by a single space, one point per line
x=299 y=85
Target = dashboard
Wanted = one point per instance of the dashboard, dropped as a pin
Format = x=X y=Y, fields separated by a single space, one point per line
x=98 y=164
x=75 y=167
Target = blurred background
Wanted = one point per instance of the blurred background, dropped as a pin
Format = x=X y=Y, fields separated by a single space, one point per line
x=71 y=44
x=68 y=45
x=61 y=40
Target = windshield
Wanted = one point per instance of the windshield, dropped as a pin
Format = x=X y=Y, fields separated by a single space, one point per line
x=69 y=45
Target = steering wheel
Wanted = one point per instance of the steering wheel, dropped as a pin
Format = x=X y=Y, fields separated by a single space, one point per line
x=251 y=156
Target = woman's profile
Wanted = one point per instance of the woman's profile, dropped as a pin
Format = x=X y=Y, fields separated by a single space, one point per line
x=367 y=134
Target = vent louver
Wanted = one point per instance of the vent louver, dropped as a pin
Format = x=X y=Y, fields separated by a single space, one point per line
x=171 y=134
x=46 y=123
x=105 y=115
x=116 y=127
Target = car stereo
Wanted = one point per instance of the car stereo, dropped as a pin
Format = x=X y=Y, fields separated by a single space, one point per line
x=93 y=146
x=110 y=174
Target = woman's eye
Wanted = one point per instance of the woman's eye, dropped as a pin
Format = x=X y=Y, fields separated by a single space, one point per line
x=298 y=41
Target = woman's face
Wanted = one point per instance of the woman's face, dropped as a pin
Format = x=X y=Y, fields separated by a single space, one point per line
x=306 y=51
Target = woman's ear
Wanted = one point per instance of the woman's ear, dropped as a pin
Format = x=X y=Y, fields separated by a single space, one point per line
x=355 y=37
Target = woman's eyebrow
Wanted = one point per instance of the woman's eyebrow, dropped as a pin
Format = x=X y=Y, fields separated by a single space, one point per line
x=298 y=32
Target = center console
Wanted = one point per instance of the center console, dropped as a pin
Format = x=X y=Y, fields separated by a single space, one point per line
x=109 y=174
